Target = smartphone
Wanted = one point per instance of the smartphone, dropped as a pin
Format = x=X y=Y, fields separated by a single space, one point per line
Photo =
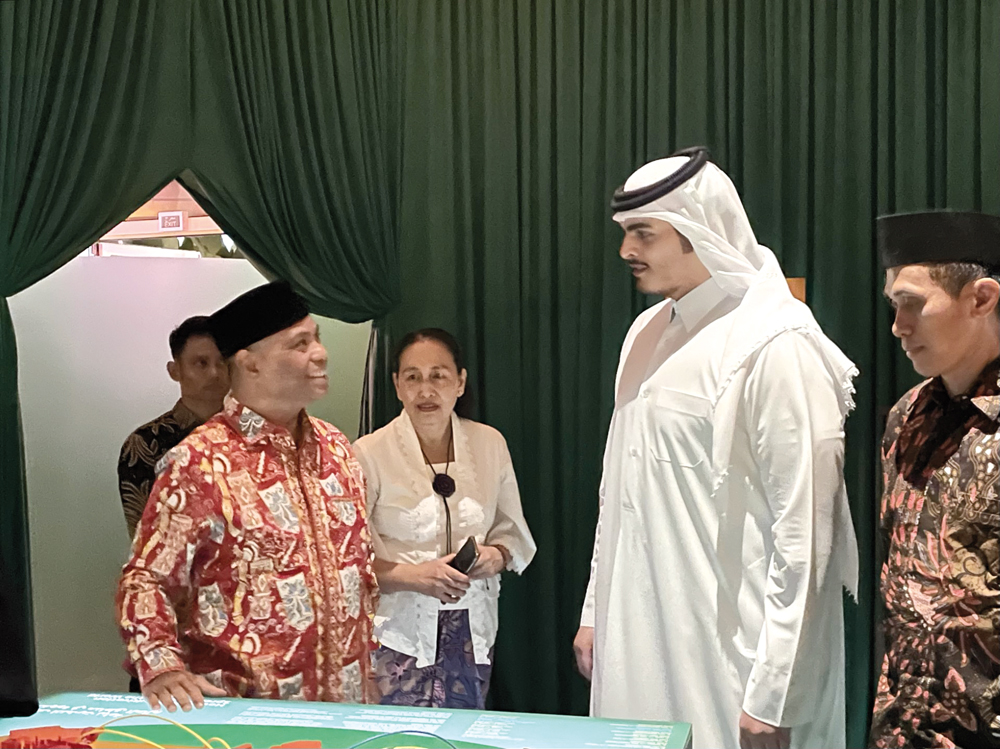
x=466 y=557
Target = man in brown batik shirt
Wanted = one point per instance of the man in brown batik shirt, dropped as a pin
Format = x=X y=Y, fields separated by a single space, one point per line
x=204 y=381
x=940 y=526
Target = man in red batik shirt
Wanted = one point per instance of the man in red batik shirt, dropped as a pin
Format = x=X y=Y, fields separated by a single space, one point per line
x=251 y=569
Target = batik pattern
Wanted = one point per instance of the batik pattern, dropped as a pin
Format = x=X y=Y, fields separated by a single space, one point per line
x=247 y=568
x=141 y=453
x=454 y=680
x=940 y=677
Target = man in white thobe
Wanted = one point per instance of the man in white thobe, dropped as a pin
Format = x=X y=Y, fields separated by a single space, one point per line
x=724 y=537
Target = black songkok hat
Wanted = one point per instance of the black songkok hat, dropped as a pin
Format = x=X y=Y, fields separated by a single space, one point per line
x=255 y=315
x=939 y=237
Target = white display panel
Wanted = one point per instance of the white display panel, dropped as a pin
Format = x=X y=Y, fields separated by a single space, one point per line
x=92 y=354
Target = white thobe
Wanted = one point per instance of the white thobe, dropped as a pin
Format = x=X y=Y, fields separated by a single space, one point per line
x=708 y=603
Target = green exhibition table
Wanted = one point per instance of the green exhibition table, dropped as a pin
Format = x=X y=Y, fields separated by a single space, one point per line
x=263 y=723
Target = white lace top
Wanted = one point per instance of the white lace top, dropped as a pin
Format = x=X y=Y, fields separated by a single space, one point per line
x=407 y=521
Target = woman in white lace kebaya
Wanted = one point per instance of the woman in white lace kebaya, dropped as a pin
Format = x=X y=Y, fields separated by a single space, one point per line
x=434 y=480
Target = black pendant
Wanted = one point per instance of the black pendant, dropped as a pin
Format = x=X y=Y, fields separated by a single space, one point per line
x=444 y=484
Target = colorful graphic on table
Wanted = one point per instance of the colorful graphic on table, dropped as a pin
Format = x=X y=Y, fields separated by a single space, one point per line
x=123 y=720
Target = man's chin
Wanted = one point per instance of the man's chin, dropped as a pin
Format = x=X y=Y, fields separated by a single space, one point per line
x=924 y=368
x=644 y=287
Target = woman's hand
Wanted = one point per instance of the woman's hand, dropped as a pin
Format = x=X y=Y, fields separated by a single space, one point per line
x=490 y=563
x=437 y=579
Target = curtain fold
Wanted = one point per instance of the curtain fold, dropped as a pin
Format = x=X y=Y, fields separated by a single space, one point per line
x=18 y=695
x=90 y=128
x=290 y=145
x=270 y=115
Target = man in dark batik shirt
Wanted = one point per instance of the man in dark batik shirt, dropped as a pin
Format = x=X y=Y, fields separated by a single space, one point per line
x=204 y=380
x=940 y=523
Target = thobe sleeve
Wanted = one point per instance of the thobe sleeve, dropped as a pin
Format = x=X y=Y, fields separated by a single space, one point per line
x=510 y=529
x=156 y=581
x=796 y=427
x=369 y=467
x=587 y=615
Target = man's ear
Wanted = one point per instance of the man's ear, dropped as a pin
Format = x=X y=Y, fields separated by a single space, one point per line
x=246 y=360
x=172 y=371
x=986 y=296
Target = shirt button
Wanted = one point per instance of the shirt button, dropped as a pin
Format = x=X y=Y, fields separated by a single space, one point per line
x=645 y=393
x=633 y=452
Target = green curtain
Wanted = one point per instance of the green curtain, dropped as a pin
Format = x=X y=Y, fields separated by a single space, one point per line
x=291 y=154
x=520 y=118
x=270 y=114
x=73 y=162
x=481 y=141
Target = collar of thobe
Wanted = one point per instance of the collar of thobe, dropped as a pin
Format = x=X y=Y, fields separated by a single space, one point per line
x=692 y=308
x=706 y=209
x=462 y=469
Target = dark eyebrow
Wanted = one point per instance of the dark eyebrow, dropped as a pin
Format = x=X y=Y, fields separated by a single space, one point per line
x=640 y=225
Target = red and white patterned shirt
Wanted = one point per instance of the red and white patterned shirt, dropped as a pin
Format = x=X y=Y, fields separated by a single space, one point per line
x=252 y=564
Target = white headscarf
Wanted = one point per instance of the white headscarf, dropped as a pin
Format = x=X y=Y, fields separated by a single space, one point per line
x=706 y=209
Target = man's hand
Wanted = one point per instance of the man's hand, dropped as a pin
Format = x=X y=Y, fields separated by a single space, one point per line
x=583 y=648
x=755 y=734
x=490 y=563
x=181 y=687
